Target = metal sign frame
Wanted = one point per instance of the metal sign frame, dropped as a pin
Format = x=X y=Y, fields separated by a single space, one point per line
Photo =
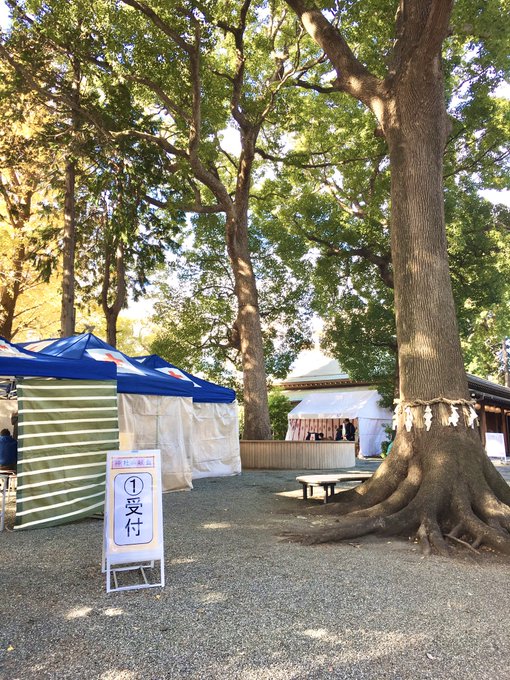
x=133 y=518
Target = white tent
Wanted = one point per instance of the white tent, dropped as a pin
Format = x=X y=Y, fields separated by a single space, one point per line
x=324 y=411
x=215 y=422
x=216 y=440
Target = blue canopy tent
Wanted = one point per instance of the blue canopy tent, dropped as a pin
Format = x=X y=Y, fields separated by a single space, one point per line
x=216 y=452
x=132 y=377
x=155 y=410
x=67 y=420
x=16 y=360
x=204 y=391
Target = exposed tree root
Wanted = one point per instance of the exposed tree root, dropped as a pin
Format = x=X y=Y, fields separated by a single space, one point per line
x=446 y=490
x=465 y=543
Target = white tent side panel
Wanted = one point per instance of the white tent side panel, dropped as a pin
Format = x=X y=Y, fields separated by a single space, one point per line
x=160 y=422
x=371 y=435
x=216 y=451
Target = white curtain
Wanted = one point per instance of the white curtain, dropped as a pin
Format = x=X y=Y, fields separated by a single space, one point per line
x=371 y=434
x=165 y=423
x=216 y=451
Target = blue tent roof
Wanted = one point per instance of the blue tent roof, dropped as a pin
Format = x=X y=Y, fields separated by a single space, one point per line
x=203 y=390
x=16 y=361
x=132 y=377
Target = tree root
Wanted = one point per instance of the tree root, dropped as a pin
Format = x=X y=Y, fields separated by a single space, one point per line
x=452 y=494
x=465 y=543
x=430 y=536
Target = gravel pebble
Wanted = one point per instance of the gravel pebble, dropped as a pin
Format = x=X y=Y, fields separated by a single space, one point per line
x=240 y=603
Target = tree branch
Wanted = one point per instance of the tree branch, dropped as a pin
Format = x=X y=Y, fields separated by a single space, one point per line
x=421 y=27
x=169 y=104
x=160 y=23
x=382 y=262
x=352 y=76
x=317 y=88
x=189 y=208
x=436 y=28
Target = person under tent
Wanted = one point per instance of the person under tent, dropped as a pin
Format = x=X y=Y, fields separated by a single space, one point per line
x=349 y=430
x=8 y=451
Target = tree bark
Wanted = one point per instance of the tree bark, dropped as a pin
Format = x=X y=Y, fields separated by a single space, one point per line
x=430 y=356
x=256 y=409
x=257 y=424
x=11 y=290
x=18 y=204
x=504 y=360
x=67 y=313
x=112 y=311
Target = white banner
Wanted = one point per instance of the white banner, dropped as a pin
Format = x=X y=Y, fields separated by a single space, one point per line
x=495 y=445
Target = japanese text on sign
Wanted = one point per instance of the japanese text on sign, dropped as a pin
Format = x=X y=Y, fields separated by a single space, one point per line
x=142 y=462
x=133 y=515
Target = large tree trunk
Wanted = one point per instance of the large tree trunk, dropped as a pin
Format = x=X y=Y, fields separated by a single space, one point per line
x=256 y=410
x=441 y=476
x=437 y=480
x=18 y=204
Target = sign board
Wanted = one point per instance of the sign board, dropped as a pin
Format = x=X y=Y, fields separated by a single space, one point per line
x=495 y=445
x=133 y=519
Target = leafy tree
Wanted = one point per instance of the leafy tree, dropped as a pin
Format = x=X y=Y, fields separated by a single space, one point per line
x=200 y=68
x=332 y=190
x=438 y=479
x=122 y=236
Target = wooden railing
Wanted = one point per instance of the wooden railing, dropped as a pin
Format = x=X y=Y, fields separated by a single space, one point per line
x=287 y=455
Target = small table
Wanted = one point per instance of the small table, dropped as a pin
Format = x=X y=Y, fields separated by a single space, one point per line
x=328 y=482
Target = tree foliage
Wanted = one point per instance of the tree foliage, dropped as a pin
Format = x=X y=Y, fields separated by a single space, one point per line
x=279 y=408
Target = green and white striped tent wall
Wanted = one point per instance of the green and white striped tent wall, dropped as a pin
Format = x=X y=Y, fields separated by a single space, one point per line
x=65 y=429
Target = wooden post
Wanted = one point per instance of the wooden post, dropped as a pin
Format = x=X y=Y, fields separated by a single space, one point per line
x=483 y=423
x=505 y=430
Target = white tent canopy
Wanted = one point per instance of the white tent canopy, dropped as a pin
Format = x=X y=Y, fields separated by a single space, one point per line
x=323 y=411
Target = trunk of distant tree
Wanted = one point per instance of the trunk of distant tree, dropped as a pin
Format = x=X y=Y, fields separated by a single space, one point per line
x=437 y=480
x=67 y=314
x=10 y=291
x=18 y=205
x=256 y=409
x=504 y=357
x=112 y=311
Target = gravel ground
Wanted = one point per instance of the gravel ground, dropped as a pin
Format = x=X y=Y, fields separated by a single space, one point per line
x=242 y=604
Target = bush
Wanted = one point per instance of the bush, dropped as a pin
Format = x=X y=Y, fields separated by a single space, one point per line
x=279 y=407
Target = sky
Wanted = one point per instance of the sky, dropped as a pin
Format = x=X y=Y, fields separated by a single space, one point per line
x=4 y=14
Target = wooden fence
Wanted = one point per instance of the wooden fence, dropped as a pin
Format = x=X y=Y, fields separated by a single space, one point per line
x=292 y=455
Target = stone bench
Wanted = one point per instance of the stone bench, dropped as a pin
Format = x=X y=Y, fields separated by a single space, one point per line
x=328 y=482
